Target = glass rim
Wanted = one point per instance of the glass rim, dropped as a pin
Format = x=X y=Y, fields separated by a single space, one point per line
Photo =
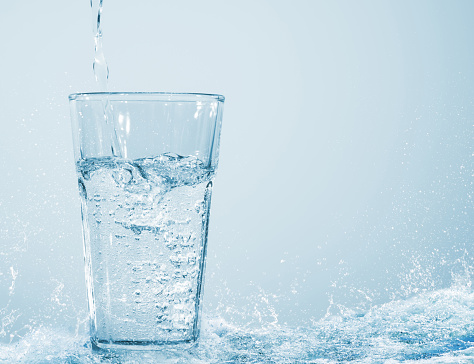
x=146 y=96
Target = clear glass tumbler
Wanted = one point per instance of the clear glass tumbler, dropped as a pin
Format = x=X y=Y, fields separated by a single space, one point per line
x=145 y=166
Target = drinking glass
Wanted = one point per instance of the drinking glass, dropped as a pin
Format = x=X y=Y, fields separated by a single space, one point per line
x=145 y=165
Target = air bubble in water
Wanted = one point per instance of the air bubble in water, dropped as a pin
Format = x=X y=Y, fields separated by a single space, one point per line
x=147 y=208
x=122 y=176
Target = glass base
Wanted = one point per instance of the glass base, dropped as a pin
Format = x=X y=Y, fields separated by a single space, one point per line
x=114 y=346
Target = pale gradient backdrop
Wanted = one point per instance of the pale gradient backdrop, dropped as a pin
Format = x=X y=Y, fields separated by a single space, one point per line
x=345 y=177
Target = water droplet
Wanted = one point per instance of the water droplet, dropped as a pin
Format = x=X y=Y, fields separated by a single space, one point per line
x=199 y=206
x=188 y=240
x=192 y=259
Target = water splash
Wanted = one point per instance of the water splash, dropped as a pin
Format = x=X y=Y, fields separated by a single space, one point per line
x=433 y=327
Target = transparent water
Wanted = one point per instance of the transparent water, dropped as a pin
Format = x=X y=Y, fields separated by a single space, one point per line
x=145 y=223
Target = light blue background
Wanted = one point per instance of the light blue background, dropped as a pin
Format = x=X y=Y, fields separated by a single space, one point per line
x=346 y=154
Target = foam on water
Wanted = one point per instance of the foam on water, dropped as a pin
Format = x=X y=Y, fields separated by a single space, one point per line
x=434 y=327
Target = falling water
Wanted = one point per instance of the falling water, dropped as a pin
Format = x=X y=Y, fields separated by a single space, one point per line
x=101 y=69
x=101 y=72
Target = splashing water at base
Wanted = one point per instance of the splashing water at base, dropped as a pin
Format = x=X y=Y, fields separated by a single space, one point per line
x=434 y=327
